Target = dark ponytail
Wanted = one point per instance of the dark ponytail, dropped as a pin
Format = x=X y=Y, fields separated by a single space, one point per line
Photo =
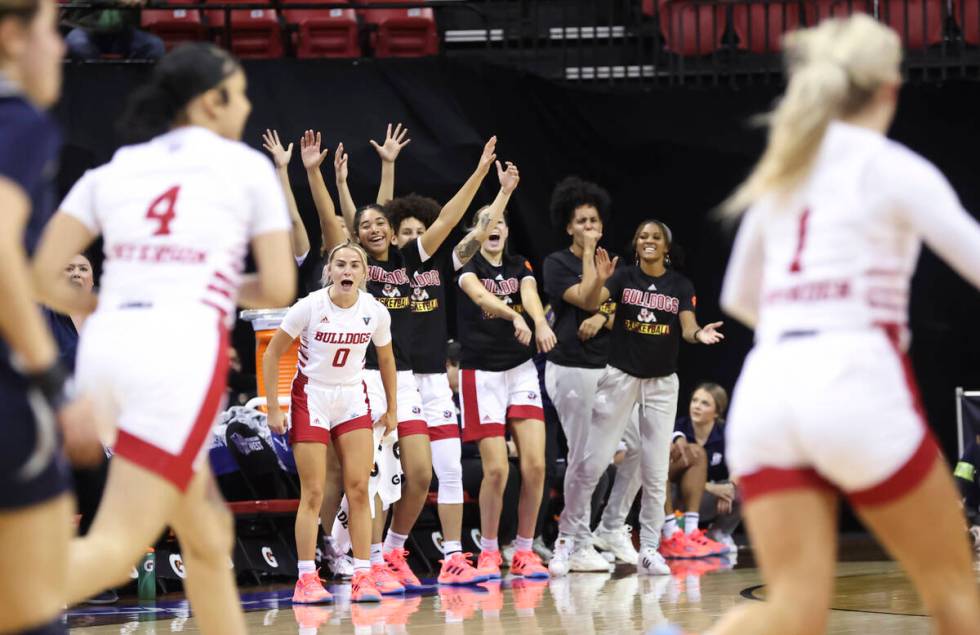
x=181 y=75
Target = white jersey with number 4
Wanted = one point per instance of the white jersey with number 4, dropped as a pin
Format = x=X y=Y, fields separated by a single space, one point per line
x=840 y=251
x=334 y=340
x=176 y=215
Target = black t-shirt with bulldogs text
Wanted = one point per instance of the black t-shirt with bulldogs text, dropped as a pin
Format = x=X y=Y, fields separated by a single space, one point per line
x=388 y=282
x=430 y=331
x=647 y=334
x=563 y=270
x=488 y=342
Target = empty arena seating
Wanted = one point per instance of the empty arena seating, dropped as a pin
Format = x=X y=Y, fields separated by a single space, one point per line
x=255 y=33
x=409 y=32
x=174 y=26
x=760 y=25
x=324 y=32
x=967 y=17
x=690 y=28
x=918 y=22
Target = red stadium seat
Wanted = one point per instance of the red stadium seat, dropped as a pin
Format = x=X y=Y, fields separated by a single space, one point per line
x=839 y=8
x=691 y=28
x=255 y=33
x=918 y=22
x=760 y=25
x=967 y=18
x=174 y=26
x=409 y=32
x=325 y=32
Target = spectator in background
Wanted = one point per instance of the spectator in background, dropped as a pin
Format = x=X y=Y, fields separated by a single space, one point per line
x=111 y=29
x=241 y=385
x=967 y=475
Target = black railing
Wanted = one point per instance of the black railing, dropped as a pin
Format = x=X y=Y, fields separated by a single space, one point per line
x=639 y=42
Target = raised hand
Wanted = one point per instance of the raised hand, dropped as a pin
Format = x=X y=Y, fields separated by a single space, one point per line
x=508 y=178
x=272 y=145
x=489 y=155
x=394 y=142
x=309 y=150
x=604 y=266
x=521 y=331
x=710 y=334
x=340 y=163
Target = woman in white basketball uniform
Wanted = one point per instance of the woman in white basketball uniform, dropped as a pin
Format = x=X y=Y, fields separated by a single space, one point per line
x=329 y=403
x=177 y=215
x=826 y=405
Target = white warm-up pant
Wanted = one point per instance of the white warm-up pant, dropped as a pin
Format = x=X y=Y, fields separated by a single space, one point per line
x=616 y=395
x=572 y=390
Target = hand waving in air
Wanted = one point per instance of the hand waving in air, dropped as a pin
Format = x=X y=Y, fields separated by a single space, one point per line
x=488 y=156
x=394 y=142
x=508 y=178
x=309 y=150
x=272 y=145
x=340 y=163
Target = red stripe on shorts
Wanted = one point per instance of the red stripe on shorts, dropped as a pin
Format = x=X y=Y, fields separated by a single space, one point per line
x=413 y=426
x=471 y=405
x=179 y=469
x=438 y=433
x=361 y=423
x=772 y=480
x=525 y=412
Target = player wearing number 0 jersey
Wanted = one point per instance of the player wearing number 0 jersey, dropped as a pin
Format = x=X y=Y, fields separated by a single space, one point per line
x=826 y=404
x=177 y=215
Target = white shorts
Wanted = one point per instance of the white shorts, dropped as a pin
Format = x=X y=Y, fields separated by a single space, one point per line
x=489 y=399
x=438 y=406
x=834 y=410
x=411 y=419
x=159 y=377
x=317 y=413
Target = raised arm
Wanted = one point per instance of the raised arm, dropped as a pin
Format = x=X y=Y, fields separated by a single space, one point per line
x=280 y=157
x=452 y=212
x=492 y=305
x=470 y=244
x=347 y=206
x=388 y=152
x=330 y=227
x=532 y=304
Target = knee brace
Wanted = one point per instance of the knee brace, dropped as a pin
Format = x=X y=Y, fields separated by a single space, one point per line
x=449 y=470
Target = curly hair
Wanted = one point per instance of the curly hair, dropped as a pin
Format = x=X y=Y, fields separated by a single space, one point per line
x=425 y=209
x=573 y=192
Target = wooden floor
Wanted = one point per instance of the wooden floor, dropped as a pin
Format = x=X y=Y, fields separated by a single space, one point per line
x=870 y=598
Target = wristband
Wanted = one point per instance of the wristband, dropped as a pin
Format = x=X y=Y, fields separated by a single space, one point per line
x=51 y=384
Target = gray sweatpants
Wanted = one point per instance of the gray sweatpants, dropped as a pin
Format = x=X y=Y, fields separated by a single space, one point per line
x=616 y=395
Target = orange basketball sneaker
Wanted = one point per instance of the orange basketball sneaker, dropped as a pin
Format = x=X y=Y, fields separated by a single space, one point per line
x=712 y=547
x=363 y=588
x=456 y=570
x=309 y=590
x=489 y=564
x=528 y=564
x=385 y=580
x=397 y=564
x=680 y=546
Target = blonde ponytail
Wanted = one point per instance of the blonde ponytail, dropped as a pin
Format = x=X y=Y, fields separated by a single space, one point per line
x=834 y=70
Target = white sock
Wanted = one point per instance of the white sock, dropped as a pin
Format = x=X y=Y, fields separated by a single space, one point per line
x=306 y=566
x=670 y=527
x=394 y=541
x=361 y=565
x=489 y=544
x=691 y=520
x=376 y=554
x=523 y=544
x=451 y=546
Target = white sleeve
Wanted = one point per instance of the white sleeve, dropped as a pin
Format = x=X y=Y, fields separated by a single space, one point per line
x=297 y=318
x=301 y=259
x=382 y=332
x=742 y=289
x=80 y=203
x=269 y=211
x=925 y=201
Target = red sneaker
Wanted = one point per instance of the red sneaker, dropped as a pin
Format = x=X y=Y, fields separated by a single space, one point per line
x=309 y=590
x=397 y=564
x=678 y=546
x=528 y=564
x=385 y=580
x=457 y=570
x=363 y=588
x=711 y=547
x=489 y=564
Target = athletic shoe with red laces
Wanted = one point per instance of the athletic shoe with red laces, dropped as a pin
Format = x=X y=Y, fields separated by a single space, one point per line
x=712 y=547
x=398 y=565
x=528 y=564
x=457 y=570
x=309 y=590
x=489 y=564
x=678 y=546
x=386 y=581
x=363 y=588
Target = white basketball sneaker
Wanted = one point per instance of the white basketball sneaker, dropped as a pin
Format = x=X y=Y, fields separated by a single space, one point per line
x=558 y=566
x=619 y=543
x=585 y=558
x=651 y=562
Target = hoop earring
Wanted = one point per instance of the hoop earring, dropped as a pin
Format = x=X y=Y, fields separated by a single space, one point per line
x=667 y=260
